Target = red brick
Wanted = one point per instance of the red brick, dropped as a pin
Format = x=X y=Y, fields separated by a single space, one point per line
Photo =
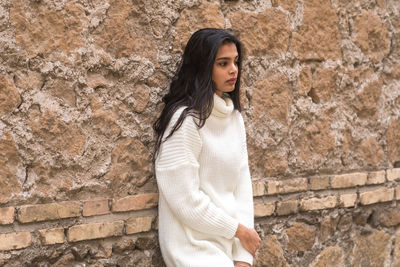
x=15 y=240
x=95 y=231
x=139 y=224
x=287 y=186
x=318 y=203
x=376 y=196
x=263 y=209
x=95 y=207
x=348 y=180
x=7 y=215
x=52 y=211
x=52 y=236
x=136 y=202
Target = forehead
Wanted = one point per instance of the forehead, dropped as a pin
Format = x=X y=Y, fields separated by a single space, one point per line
x=227 y=50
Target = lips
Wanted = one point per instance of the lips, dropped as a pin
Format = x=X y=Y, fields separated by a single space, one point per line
x=231 y=81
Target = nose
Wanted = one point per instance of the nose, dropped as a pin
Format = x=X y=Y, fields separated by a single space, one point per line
x=233 y=69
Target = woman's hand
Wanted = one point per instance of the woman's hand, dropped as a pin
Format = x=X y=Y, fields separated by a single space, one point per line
x=242 y=264
x=248 y=238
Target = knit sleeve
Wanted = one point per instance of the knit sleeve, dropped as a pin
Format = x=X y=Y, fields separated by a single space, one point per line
x=177 y=174
x=244 y=201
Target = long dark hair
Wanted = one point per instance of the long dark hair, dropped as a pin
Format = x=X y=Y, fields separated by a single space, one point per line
x=192 y=85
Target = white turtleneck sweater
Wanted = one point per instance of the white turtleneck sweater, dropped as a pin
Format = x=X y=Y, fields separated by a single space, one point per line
x=205 y=190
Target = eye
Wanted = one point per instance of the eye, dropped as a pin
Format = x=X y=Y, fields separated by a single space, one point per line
x=237 y=62
x=222 y=64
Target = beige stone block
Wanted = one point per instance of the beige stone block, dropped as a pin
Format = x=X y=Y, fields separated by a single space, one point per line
x=398 y=192
x=330 y=257
x=319 y=183
x=287 y=207
x=258 y=189
x=52 y=211
x=136 y=202
x=287 y=186
x=12 y=241
x=95 y=207
x=139 y=224
x=263 y=209
x=52 y=236
x=348 y=180
x=318 y=203
x=7 y=215
x=376 y=196
x=376 y=177
x=348 y=200
x=301 y=237
x=393 y=174
x=396 y=250
x=95 y=230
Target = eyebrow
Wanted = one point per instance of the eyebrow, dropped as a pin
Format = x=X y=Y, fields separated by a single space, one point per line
x=226 y=58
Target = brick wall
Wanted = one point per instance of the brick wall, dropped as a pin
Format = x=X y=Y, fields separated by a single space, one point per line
x=81 y=83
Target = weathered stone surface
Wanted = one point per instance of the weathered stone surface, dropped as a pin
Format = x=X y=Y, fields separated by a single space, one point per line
x=95 y=230
x=10 y=168
x=258 y=189
x=7 y=215
x=371 y=152
x=319 y=183
x=328 y=228
x=377 y=177
x=130 y=163
x=264 y=33
x=367 y=101
x=393 y=174
x=370 y=35
x=52 y=211
x=287 y=207
x=57 y=135
x=9 y=96
x=16 y=240
x=324 y=85
x=287 y=186
x=289 y=5
x=387 y=217
x=137 y=202
x=318 y=37
x=141 y=95
x=318 y=203
x=376 y=196
x=207 y=15
x=52 y=236
x=139 y=224
x=347 y=200
x=63 y=90
x=396 y=254
x=330 y=257
x=393 y=140
x=348 y=180
x=301 y=237
x=95 y=207
x=270 y=253
x=267 y=162
x=35 y=21
x=305 y=81
x=104 y=122
x=28 y=80
x=263 y=209
x=272 y=98
x=122 y=33
x=371 y=250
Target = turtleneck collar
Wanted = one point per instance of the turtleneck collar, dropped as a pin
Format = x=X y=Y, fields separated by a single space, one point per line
x=223 y=107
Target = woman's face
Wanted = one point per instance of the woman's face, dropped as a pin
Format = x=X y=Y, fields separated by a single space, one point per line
x=225 y=69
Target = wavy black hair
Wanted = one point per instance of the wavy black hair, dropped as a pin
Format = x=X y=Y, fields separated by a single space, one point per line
x=192 y=85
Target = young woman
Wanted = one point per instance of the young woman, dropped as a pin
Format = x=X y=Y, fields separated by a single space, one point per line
x=206 y=202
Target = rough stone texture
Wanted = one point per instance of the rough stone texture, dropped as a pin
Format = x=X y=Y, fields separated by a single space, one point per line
x=367 y=101
x=137 y=225
x=52 y=236
x=387 y=217
x=7 y=215
x=52 y=211
x=319 y=183
x=371 y=250
x=324 y=85
x=270 y=253
x=287 y=207
x=138 y=202
x=10 y=98
x=94 y=231
x=301 y=237
x=330 y=257
x=318 y=203
x=375 y=196
x=347 y=200
x=95 y=207
x=16 y=240
x=265 y=33
x=287 y=186
x=318 y=37
x=377 y=177
x=371 y=35
x=263 y=209
x=397 y=250
x=348 y=180
x=258 y=189
x=393 y=140
x=393 y=174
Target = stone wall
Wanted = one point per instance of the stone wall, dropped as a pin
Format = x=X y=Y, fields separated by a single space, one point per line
x=81 y=83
